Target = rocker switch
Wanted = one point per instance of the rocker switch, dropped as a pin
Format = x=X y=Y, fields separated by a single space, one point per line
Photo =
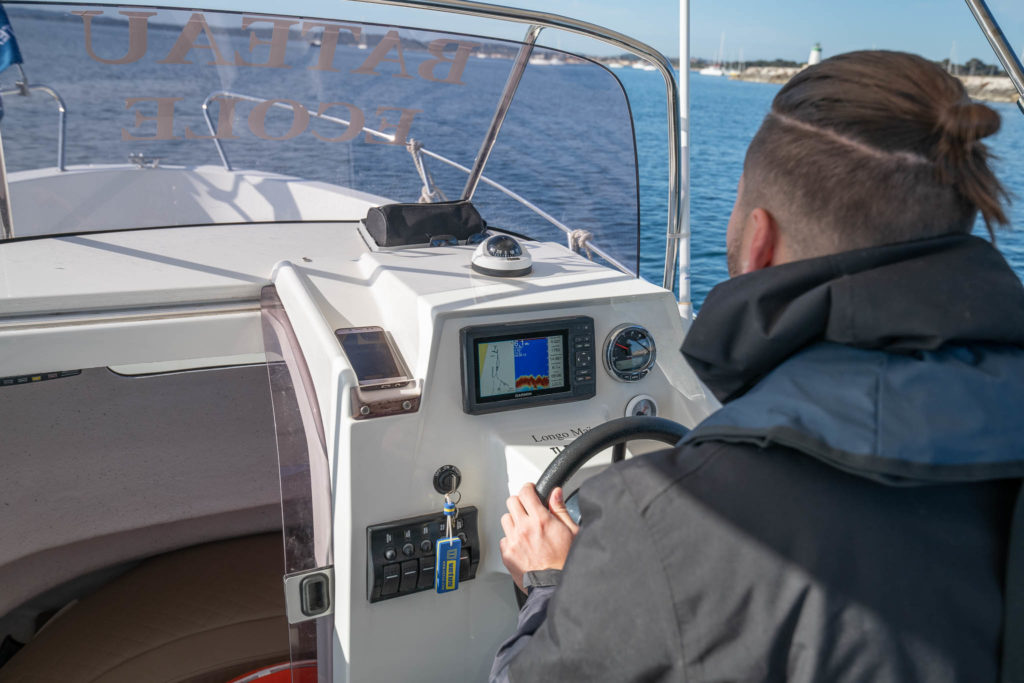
x=392 y=573
x=410 y=574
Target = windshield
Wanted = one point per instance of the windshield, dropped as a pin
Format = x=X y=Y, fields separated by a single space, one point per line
x=195 y=118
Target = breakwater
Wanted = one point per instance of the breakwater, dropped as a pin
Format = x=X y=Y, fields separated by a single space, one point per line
x=989 y=88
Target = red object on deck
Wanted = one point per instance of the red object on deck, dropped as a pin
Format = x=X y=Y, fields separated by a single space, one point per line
x=301 y=672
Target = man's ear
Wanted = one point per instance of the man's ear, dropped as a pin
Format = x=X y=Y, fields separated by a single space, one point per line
x=764 y=241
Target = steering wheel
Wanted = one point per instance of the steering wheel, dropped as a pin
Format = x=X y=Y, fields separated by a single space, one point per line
x=613 y=433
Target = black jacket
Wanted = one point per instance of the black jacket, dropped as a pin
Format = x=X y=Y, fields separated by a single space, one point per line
x=844 y=516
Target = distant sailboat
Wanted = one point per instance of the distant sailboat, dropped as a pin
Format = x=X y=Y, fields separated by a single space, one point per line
x=547 y=60
x=737 y=67
x=715 y=69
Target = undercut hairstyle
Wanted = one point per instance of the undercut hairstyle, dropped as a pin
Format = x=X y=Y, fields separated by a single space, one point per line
x=870 y=148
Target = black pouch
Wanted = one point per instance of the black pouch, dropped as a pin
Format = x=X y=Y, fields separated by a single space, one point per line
x=396 y=225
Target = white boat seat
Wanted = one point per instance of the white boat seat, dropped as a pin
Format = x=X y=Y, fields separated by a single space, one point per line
x=203 y=614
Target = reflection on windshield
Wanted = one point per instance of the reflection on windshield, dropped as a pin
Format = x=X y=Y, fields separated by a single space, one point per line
x=227 y=118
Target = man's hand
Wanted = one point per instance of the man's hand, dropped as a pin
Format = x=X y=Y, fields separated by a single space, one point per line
x=535 y=537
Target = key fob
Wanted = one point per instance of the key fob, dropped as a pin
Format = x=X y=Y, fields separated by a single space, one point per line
x=446 y=571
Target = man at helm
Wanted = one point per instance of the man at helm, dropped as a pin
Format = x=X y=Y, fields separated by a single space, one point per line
x=845 y=515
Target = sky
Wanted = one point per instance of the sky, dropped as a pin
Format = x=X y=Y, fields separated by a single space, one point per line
x=786 y=29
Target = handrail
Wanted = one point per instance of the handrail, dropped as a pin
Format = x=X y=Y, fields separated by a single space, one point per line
x=1000 y=45
x=24 y=90
x=6 y=223
x=531 y=206
x=422 y=150
x=507 y=94
x=249 y=98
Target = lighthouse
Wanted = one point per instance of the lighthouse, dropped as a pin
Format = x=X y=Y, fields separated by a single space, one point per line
x=815 y=55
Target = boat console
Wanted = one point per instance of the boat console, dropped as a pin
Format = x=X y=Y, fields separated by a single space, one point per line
x=511 y=372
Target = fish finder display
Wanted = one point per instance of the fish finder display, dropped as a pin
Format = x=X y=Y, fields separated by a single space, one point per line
x=508 y=366
x=521 y=366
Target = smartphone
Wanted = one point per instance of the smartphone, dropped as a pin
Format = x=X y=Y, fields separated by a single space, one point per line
x=373 y=356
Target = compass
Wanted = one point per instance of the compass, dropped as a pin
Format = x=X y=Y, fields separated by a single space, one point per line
x=501 y=256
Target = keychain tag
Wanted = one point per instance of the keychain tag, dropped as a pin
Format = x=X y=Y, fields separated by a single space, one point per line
x=446 y=573
x=446 y=569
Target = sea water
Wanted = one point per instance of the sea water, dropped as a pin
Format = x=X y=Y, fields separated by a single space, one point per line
x=724 y=116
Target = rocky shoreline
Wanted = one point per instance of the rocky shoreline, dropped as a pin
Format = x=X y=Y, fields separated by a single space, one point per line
x=989 y=88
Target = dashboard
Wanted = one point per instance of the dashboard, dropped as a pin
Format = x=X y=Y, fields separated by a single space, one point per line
x=511 y=366
x=415 y=363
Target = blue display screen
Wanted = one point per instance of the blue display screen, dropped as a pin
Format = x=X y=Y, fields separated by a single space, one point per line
x=526 y=365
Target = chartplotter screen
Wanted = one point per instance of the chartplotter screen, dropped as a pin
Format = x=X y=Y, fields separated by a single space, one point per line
x=521 y=366
x=507 y=366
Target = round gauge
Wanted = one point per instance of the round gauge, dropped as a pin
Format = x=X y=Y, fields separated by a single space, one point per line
x=642 y=406
x=629 y=354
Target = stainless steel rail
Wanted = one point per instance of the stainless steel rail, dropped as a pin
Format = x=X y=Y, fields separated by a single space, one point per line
x=24 y=90
x=532 y=207
x=422 y=150
x=249 y=98
x=683 y=150
x=6 y=226
x=507 y=94
x=1007 y=57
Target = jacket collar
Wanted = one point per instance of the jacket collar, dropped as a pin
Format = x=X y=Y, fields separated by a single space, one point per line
x=906 y=297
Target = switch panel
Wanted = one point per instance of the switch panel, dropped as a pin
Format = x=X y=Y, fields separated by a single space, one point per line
x=401 y=554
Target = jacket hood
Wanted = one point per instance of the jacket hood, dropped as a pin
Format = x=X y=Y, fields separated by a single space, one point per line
x=949 y=415
x=906 y=297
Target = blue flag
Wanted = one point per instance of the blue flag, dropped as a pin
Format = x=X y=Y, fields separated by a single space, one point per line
x=9 y=52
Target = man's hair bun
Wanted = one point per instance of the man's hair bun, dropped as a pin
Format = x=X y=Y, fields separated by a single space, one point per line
x=962 y=160
x=960 y=124
x=966 y=122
